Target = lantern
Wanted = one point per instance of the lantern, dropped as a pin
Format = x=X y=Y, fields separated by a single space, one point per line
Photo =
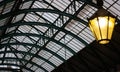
x=102 y=24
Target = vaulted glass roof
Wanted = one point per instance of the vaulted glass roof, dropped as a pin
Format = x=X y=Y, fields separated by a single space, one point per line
x=39 y=35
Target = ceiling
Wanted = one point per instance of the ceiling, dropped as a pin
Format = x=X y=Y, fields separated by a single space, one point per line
x=95 y=57
x=40 y=35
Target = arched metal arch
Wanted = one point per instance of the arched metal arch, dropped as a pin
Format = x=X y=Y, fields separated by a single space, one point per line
x=42 y=10
x=20 y=59
x=37 y=56
x=46 y=25
x=4 y=2
x=18 y=66
x=36 y=35
x=53 y=53
x=9 y=44
x=16 y=51
x=86 y=1
x=30 y=44
x=28 y=53
x=8 y=1
x=90 y=2
x=31 y=54
x=24 y=44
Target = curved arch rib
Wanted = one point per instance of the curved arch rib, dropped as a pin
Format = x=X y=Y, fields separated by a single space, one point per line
x=17 y=66
x=25 y=61
x=37 y=46
x=43 y=24
x=42 y=10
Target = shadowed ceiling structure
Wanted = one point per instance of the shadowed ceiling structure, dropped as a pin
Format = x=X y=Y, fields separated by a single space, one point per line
x=53 y=35
x=95 y=57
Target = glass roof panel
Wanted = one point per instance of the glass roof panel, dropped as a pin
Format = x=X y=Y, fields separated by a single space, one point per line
x=38 y=61
x=87 y=12
x=37 y=70
x=61 y=5
x=3 y=21
x=26 y=5
x=19 y=48
x=57 y=63
x=34 y=68
x=53 y=46
x=113 y=6
x=55 y=60
x=18 y=18
x=47 y=66
x=40 y=4
x=45 y=54
x=8 y=7
x=64 y=53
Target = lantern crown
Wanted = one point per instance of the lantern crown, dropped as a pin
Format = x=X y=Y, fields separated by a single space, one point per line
x=101 y=13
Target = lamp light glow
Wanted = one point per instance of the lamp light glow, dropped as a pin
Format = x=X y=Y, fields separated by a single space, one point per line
x=102 y=24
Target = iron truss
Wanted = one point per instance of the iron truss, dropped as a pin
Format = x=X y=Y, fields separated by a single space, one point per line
x=39 y=35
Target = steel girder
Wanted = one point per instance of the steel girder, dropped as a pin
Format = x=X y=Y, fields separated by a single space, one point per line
x=42 y=10
x=5 y=2
x=46 y=25
x=86 y=1
x=50 y=11
x=28 y=53
x=61 y=27
x=90 y=2
x=46 y=49
x=29 y=44
x=21 y=59
x=34 y=35
x=24 y=44
x=37 y=56
x=56 y=27
x=8 y=1
x=17 y=66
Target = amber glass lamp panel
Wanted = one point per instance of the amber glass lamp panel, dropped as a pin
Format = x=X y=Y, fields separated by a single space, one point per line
x=102 y=28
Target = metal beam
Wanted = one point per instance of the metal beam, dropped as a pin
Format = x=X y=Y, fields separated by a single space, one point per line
x=10 y=58
x=5 y=2
x=56 y=32
x=15 y=7
x=30 y=44
x=46 y=49
x=53 y=53
x=46 y=25
x=31 y=54
x=85 y=1
x=90 y=2
x=17 y=66
x=8 y=1
x=42 y=10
